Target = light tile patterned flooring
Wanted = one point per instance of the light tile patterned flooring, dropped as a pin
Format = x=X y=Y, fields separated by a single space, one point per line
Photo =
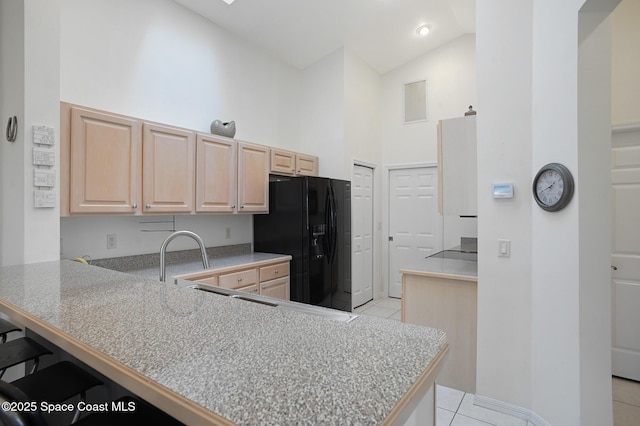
x=455 y=408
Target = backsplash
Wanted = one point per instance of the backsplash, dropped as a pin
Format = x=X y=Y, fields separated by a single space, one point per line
x=126 y=263
x=137 y=235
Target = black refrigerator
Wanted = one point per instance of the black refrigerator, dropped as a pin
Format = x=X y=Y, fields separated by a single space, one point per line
x=310 y=219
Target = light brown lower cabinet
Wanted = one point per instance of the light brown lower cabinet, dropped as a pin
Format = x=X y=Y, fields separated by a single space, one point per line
x=448 y=304
x=267 y=279
x=278 y=289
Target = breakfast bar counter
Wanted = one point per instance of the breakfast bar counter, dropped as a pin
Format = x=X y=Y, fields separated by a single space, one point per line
x=209 y=359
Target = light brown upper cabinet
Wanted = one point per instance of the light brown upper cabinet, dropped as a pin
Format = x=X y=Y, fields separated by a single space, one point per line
x=100 y=164
x=168 y=169
x=253 y=178
x=114 y=164
x=293 y=164
x=306 y=165
x=216 y=174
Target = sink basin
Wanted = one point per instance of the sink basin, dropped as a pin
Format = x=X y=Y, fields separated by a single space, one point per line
x=277 y=303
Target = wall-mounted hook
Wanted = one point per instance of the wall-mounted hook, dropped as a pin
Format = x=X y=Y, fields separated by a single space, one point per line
x=12 y=129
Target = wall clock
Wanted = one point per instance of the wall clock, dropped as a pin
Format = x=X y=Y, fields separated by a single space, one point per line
x=553 y=187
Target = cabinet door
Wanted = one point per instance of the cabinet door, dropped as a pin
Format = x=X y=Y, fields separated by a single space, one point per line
x=278 y=289
x=104 y=158
x=458 y=164
x=253 y=178
x=283 y=162
x=216 y=174
x=306 y=165
x=168 y=169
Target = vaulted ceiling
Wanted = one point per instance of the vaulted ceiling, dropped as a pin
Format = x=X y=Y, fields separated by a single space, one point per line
x=381 y=32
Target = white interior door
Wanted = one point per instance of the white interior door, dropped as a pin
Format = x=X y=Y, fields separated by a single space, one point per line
x=415 y=227
x=625 y=259
x=362 y=231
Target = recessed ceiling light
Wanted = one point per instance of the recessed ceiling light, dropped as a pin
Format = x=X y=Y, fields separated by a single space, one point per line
x=228 y=1
x=423 y=30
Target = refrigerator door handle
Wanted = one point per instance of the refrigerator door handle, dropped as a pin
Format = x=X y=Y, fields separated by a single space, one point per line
x=333 y=231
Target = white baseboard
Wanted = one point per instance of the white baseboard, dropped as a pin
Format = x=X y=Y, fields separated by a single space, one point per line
x=510 y=409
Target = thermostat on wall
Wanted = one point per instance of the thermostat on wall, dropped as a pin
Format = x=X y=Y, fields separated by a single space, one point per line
x=502 y=190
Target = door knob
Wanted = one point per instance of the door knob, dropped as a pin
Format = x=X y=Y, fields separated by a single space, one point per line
x=615 y=268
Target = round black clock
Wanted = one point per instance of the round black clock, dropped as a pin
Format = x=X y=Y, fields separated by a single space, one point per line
x=553 y=187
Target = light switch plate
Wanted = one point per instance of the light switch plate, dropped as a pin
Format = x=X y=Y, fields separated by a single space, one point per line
x=504 y=248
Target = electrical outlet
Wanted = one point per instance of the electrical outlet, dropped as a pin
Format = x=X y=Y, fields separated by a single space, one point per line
x=227 y=233
x=112 y=241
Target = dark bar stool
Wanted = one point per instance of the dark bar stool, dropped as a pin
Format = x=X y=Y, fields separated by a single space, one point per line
x=144 y=414
x=54 y=384
x=19 y=350
x=57 y=383
x=5 y=328
x=10 y=393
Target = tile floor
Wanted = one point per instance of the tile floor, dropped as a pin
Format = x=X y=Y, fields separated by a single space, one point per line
x=385 y=308
x=455 y=408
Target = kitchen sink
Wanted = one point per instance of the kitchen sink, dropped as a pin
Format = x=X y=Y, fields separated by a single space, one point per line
x=331 y=314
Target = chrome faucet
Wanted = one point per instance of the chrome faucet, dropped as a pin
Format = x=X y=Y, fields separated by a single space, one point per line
x=163 y=250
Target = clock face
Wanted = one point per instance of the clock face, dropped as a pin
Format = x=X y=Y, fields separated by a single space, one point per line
x=550 y=187
x=553 y=187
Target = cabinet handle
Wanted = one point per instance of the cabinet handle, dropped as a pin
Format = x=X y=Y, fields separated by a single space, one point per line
x=242 y=207
x=148 y=206
x=233 y=206
x=277 y=272
x=134 y=206
x=239 y=280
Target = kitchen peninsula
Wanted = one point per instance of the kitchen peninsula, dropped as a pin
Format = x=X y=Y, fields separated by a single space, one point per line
x=210 y=359
x=441 y=291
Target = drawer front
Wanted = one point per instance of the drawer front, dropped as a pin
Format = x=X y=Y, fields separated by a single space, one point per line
x=272 y=272
x=253 y=288
x=238 y=279
x=210 y=280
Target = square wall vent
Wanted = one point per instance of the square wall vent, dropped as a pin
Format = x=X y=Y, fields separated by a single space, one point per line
x=415 y=102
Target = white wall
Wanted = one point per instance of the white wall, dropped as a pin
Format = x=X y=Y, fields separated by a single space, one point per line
x=504 y=153
x=88 y=235
x=363 y=141
x=11 y=154
x=156 y=60
x=625 y=58
x=538 y=344
x=322 y=126
x=594 y=151
x=450 y=72
x=30 y=91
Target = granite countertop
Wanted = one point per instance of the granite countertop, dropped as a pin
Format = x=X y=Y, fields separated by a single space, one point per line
x=442 y=267
x=195 y=264
x=246 y=362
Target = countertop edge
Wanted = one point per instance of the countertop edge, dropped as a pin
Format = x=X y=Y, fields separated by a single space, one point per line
x=458 y=277
x=222 y=269
x=167 y=400
x=401 y=412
